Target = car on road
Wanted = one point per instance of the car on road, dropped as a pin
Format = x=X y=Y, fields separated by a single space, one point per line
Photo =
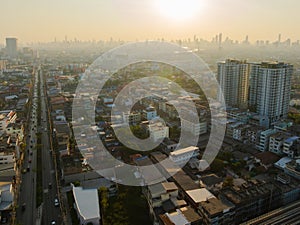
x=53 y=222
x=23 y=206
x=24 y=170
x=56 y=202
x=50 y=185
x=28 y=168
x=31 y=153
x=29 y=160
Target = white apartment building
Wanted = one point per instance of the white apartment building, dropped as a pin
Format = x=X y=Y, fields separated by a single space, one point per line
x=194 y=128
x=150 y=113
x=182 y=156
x=291 y=146
x=233 y=78
x=132 y=118
x=276 y=142
x=270 y=87
x=158 y=131
x=264 y=139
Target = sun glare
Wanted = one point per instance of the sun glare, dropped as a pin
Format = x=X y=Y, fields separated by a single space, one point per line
x=179 y=9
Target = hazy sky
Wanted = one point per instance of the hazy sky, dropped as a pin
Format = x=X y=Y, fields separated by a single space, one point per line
x=43 y=20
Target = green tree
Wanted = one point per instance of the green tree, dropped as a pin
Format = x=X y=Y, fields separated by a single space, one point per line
x=228 y=182
x=217 y=165
x=77 y=183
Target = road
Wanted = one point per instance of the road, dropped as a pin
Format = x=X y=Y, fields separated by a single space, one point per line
x=50 y=211
x=27 y=215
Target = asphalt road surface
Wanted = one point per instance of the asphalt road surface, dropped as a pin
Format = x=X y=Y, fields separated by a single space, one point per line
x=26 y=212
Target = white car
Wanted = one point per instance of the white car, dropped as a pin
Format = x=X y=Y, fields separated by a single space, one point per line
x=56 y=202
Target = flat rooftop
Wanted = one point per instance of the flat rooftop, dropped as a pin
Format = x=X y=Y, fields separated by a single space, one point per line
x=184 y=151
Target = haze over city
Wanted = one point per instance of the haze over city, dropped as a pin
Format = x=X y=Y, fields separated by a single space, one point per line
x=149 y=112
x=43 y=21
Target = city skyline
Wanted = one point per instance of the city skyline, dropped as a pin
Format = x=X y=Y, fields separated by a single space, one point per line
x=43 y=21
x=149 y=112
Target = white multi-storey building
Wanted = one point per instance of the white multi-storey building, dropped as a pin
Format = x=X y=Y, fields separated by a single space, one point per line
x=276 y=142
x=291 y=147
x=158 y=131
x=150 y=113
x=182 y=156
x=6 y=157
x=132 y=118
x=270 y=87
x=194 y=128
x=233 y=77
x=264 y=139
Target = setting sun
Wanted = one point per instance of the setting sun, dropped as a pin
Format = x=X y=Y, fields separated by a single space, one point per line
x=179 y=9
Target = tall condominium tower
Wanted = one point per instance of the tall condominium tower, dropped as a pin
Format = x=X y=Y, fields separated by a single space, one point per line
x=11 y=47
x=233 y=77
x=270 y=87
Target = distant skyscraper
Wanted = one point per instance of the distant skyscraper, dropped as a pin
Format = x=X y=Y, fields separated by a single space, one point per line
x=11 y=47
x=233 y=77
x=270 y=87
x=220 y=39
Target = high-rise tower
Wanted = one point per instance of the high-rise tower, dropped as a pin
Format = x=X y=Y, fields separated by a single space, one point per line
x=233 y=77
x=11 y=47
x=270 y=87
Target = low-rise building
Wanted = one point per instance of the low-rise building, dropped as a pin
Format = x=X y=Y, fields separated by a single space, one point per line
x=196 y=196
x=276 y=142
x=253 y=134
x=7 y=196
x=86 y=205
x=132 y=118
x=182 y=216
x=291 y=147
x=149 y=113
x=62 y=132
x=194 y=128
x=292 y=168
x=239 y=132
x=158 y=193
x=7 y=157
x=182 y=156
x=158 y=131
x=264 y=139
x=214 y=211
x=252 y=198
